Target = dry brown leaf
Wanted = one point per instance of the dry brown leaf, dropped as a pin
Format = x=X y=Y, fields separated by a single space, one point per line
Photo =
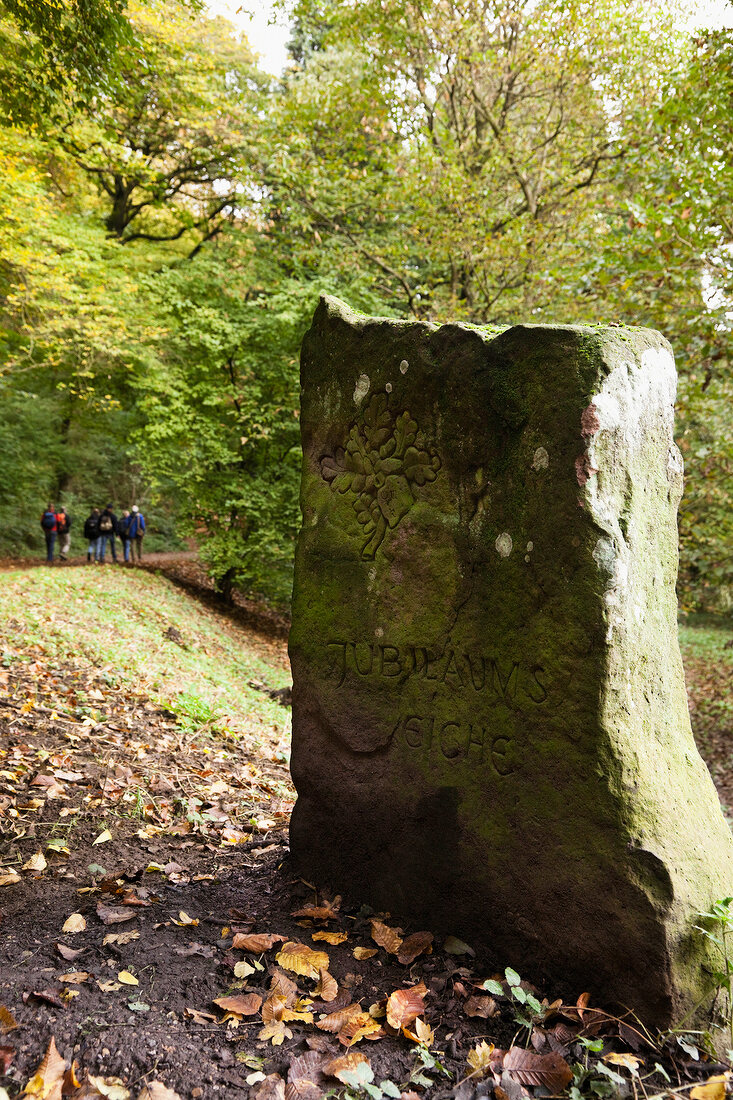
x=242 y=1004
x=69 y=953
x=200 y=1017
x=37 y=862
x=302 y=959
x=74 y=923
x=485 y=1007
x=628 y=1061
x=305 y=1073
x=333 y=938
x=336 y=1020
x=156 y=1090
x=480 y=1058
x=256 y=943
x=327 y=911
x=121 y=937
x=7 y=1020
x=113 y=914
x=417 y=944
x=276 y=1032
x=301 y=1015
x=363 y=1026
x=110 y=1088
x=345 y=1063
x=386 y=937
x=712 y=1089
x=283 y=986
x=75 y=977
x=127 y=978
x=47 y=1082
x=405 y=1005
x=550 y=1070
x=274 y=1007
x=327 y=988
x=362 y=953
x=7 y=878
x=272 y=1088
x=422 y=1034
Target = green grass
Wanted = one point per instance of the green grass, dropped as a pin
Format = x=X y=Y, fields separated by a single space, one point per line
x=117 y=620
x=706 y=637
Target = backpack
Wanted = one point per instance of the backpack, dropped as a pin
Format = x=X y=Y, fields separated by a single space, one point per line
x=105 y=524
x=48 y=521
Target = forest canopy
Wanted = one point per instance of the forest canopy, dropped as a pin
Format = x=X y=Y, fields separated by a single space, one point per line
x=170 y=213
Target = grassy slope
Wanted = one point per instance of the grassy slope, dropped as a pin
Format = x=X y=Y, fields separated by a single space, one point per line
x=117 y=620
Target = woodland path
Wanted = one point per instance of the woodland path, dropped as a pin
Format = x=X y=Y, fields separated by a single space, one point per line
x=144 y=876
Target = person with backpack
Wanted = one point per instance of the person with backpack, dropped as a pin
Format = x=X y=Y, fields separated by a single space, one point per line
x=107 y=531
x=91 y=534
x=63 y=530
x=136 y=531
x=122 y=525
x=48 y=526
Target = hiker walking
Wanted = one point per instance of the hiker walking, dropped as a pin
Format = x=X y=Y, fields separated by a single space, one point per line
x=136 y=531
x=107 y=532
x=63 y=530
x=48 y=526
x=91 y=534
x=122 y=525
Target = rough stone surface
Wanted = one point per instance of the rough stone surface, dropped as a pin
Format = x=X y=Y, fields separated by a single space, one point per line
x=490 y=722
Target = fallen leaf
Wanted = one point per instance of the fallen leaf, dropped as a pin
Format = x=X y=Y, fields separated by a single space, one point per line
x=109 y=987
x=7 y=1053
x=242 y=969
x=333 y=938
x=362 y=953
x=75 y=977
x=628 y=1061
x=46 y=1083
x=242 y=1004
x=184 y=919
x=550 y=1070
x=7 y=878
x=479 y=1059
x=56 y=844
x=257 y=943
x=272 y=1088
x=302 y=959
x=113 y=914
x=200 y=1017
x=362 y=1026
x=336 y=1020
x=69 y=953
x=48 y=996
x=127 y=978
x=416 y=944
x=121 y=937
x=103 y=838
x=386 y=937
x=485 y=1007
x=327 y=988
x=345 y=1063
x=305 y=1077
x=276 y=1032
x=37 y=862
x=111 y=1088
x=156 y=1090
x=74 y=923
x=7 y=1020
x=454 y=946
x=712 y=1089
x=327 y=911
x=423 y=1033
x=405 y=1005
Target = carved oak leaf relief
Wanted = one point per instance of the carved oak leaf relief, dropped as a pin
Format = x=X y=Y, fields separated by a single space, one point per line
x=384 y=458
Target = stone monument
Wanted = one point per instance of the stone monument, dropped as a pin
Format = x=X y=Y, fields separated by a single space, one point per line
x=491 y=733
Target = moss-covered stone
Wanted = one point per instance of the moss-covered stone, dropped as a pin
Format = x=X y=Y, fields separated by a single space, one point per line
x=490 y=723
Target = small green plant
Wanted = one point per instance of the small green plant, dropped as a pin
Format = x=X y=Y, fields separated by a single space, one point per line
x=195 y=714
x=528 y=1011
x=718 y=929
x=360 y=1082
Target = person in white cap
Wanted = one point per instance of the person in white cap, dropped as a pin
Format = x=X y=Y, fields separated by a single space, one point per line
x=136 y=532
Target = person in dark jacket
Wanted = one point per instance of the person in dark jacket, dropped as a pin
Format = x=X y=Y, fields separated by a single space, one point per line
x=107 y=531
x=91 y=534
x=63 y=530
x=48 y=526
x=122 y=525
x=136 y=531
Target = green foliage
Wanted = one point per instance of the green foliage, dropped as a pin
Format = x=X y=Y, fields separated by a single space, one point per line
x=717 y=928
x=528 y=1010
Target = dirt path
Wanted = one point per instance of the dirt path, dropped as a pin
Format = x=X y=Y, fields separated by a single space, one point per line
x=146 y=901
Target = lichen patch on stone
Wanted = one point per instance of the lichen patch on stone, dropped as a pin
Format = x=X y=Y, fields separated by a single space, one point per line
x=541 y=459
x=504 y=544
x=361 y=389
